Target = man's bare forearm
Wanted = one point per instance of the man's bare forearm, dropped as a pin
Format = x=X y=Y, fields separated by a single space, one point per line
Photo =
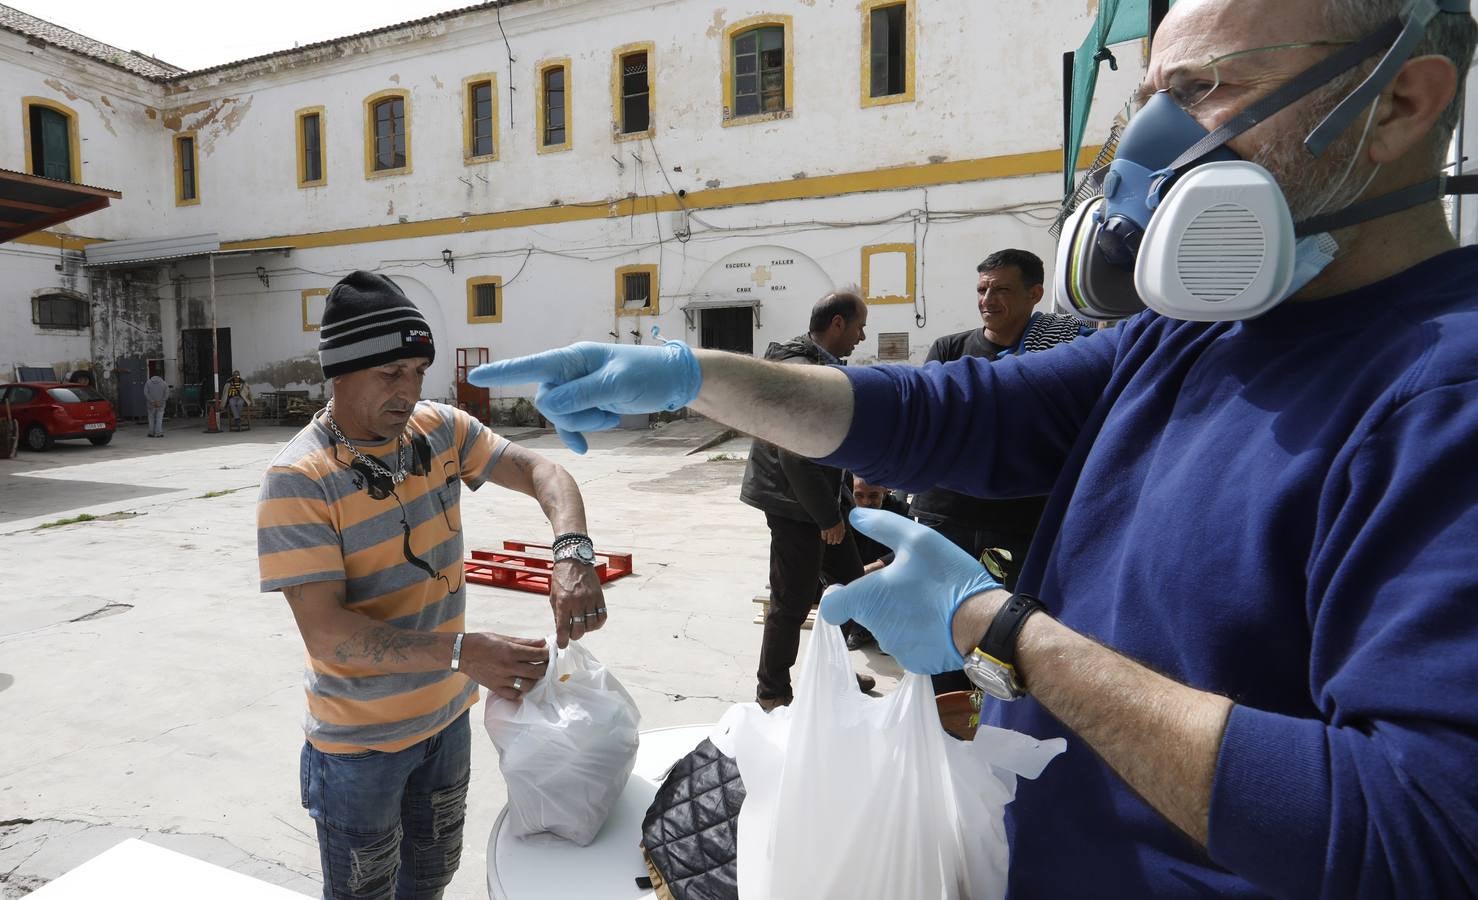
x=551 y=486
x=391 y=649
x=805 y=409
x=1162 y=737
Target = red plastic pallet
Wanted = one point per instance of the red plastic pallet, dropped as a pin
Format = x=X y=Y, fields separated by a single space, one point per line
x=515 y=568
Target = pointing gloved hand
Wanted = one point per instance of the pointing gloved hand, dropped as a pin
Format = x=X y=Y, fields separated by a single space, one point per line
x=587 y=386
x=910 y=604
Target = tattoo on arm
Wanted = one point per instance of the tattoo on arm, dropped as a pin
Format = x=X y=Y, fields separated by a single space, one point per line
x=378 y=643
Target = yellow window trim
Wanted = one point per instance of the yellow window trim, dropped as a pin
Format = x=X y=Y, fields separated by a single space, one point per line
x=561 y=62
x=491 y=78
x=868 y=253
x=74 y=141
x=910 y=30
x=309 y=324
x=179 y=168
x=298 y=118
x=617 y=107
x=655 y=309
x=369 y=133
x=472 y=317
x=727 y=101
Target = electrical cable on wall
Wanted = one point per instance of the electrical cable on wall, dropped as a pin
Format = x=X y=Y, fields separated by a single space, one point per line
x=498 y=11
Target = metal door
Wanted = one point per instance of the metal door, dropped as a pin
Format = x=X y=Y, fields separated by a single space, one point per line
x=129 y=375
x=728 y=329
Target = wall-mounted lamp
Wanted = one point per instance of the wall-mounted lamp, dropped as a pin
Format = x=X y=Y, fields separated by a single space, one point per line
x=262 y=277
x=446 y=258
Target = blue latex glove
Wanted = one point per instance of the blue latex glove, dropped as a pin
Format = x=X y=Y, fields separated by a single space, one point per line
x=909 y=605
x=587 y=386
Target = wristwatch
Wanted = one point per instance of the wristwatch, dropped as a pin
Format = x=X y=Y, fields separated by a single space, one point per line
x=574 y=546
x=991 y=666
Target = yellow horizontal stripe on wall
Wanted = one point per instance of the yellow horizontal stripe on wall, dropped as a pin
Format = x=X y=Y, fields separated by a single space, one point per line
x=1043 y=162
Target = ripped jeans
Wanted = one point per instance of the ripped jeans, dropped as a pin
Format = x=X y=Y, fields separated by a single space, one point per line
x=390 y=824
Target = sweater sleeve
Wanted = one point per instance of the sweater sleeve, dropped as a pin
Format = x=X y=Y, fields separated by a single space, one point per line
x=1378 y=796
x=988 y=429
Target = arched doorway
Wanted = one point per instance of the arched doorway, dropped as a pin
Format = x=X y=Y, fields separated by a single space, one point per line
x=754 y=296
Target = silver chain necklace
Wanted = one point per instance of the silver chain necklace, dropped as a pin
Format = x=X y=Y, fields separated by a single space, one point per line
x=374 y=465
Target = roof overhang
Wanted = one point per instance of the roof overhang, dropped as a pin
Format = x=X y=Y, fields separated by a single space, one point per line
x=696 y=306
x=152 y=251
x=30 y=203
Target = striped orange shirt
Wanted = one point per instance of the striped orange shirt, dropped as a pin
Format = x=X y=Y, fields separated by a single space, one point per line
x=323 y=516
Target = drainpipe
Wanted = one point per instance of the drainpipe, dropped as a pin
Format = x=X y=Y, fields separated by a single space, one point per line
x=215 y=358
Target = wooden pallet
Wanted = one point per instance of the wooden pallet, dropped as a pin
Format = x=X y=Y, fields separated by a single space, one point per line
x=764 y=603
x=515 y=568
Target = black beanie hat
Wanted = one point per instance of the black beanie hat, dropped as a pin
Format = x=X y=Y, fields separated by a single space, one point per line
x=368 y=321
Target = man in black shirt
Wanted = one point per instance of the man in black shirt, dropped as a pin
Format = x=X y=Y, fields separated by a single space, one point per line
x=997 y=532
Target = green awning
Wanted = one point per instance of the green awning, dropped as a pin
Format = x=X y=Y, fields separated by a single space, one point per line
x=1118 y=21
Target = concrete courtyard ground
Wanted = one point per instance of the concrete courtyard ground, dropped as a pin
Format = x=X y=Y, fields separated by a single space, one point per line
x=149 y=690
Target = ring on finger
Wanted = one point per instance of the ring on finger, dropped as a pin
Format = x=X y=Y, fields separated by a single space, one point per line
x=600 y=610
x=577 y=619
x=518 y=684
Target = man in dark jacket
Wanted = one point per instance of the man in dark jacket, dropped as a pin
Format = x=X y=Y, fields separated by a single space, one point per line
x=802 y=503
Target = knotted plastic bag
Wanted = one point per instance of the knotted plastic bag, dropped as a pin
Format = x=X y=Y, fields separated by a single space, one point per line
x=567 y=749
x=854 y=796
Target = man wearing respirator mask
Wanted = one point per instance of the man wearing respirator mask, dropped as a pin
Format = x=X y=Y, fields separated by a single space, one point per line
x=1249 y=606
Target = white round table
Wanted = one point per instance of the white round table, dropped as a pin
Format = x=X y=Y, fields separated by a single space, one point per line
x=545 y=867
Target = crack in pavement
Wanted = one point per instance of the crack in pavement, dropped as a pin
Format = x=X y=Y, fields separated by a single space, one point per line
x=42 y=840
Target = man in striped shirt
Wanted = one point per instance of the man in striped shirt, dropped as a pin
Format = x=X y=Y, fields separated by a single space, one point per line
x=359 y=525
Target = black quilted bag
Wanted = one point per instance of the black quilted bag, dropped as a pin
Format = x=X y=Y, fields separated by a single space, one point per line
x=690 y=833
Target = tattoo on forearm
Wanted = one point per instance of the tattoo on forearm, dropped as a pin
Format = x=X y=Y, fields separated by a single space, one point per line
x=378 y=643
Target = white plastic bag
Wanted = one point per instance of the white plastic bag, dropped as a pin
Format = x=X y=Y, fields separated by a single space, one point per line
x=851 y=796
x=567 y=749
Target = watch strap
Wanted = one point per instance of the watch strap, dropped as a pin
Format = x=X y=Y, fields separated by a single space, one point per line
x=999 y=642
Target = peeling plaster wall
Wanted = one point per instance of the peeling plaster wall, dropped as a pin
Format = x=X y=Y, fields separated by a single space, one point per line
x=988 y=82
x=121 y=148
x=126 y=320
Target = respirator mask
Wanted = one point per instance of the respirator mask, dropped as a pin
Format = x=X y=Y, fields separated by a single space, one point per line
x=1185 y=227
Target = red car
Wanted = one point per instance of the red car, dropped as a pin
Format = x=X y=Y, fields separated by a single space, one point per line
x=49 y=411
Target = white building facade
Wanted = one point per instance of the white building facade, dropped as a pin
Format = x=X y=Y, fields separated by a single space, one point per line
x=539 y=173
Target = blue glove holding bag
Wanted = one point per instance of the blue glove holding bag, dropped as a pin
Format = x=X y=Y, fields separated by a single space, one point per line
x=588 y=386
x=909 y=605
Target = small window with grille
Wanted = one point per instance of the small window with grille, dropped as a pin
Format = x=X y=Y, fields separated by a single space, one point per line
x=61 y=313
x=484 y=300
x=893 y=346
x=636 y=290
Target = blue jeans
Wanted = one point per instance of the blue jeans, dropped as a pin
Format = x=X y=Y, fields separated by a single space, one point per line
x=156 y=419
x=390 y=824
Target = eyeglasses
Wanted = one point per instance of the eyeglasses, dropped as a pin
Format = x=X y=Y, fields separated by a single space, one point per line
x=1190 y=85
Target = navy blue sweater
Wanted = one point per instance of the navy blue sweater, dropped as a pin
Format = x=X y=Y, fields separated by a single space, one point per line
x=1282 y=511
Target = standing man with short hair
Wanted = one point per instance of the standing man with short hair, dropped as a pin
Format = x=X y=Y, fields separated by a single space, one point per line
x=997 y=532
x=802 y=503
x=359 y=524
x=156 y=394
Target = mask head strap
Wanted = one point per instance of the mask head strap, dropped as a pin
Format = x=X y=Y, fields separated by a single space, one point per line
x=1388 y=204
x=1417 y=16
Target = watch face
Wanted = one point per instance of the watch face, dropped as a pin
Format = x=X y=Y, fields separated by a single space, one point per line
x=990 y=678
x=585 y=553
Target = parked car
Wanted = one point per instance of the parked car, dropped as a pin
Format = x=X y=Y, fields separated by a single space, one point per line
x=49 y=411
